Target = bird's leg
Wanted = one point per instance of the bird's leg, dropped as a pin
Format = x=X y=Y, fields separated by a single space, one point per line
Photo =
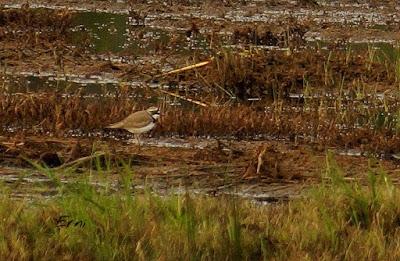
x=138 y=140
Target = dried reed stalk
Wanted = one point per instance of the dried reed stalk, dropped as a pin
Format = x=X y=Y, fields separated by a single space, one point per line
x=186 y=68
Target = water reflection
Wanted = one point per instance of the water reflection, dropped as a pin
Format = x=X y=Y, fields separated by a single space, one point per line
x=36 y=84
x=118 y=34
x=107 y=30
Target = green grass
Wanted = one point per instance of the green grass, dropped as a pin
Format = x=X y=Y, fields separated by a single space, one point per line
x=336 y=220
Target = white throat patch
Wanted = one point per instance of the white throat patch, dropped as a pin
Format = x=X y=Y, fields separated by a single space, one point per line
x=156 y=116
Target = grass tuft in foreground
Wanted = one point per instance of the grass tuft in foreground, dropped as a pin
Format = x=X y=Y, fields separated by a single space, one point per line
x=337 y=220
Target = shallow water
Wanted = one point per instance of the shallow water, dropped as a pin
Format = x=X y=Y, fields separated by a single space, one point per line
x=110 y=32
x=27 y=184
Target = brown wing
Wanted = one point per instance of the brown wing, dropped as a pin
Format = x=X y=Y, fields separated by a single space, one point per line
x=137 y=119
x=116 y=125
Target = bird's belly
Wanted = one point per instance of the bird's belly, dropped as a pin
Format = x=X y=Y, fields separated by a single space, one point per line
x=142 y=129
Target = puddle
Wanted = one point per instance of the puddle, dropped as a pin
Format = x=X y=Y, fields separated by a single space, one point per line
x=118 y=33
x=350 y=152
x=66 y=84
x=141 y=93
x=174 y=143
x=112 y=32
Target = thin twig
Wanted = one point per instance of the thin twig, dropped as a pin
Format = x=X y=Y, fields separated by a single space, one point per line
x=184 y=98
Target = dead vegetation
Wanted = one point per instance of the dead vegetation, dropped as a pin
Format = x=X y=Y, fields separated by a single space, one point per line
x=39 y=35
x=55 y=113
x=289 y=33
x=277 y=73
x=35 y=25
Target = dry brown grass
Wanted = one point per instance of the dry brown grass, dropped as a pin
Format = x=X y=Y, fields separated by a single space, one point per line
x=55 y=22
x=276 y=73
x=348 y=125
x=55 y=113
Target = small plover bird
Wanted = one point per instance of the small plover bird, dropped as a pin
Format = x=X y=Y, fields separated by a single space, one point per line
x=138 y=122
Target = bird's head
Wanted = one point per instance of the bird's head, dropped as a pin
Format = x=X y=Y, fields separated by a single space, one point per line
x=154 y=112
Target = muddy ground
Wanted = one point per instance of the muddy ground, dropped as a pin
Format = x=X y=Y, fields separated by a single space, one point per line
x=263 y=170
x=284 y=83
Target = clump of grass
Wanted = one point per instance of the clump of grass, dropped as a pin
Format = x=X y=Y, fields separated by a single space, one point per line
x=346 y=216
x=335 y=220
